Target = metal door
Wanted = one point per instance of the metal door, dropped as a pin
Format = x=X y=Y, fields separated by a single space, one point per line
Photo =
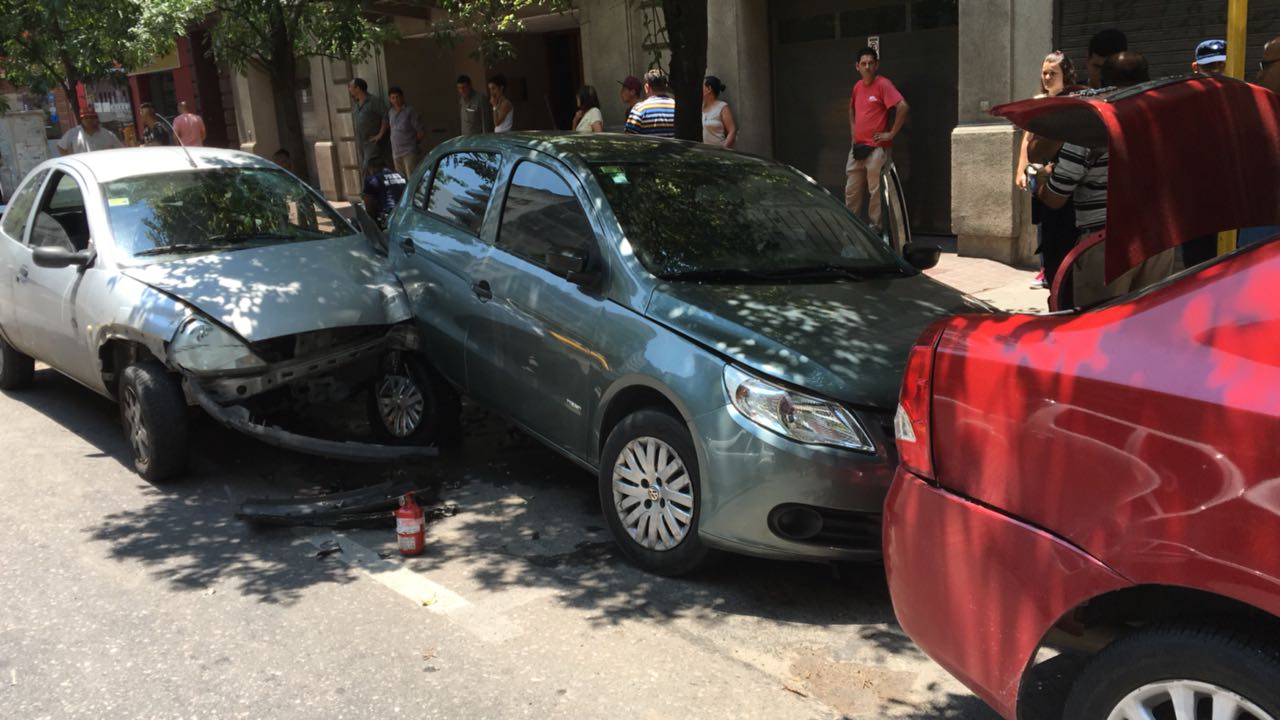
x=1165 y=32
x=814 y=44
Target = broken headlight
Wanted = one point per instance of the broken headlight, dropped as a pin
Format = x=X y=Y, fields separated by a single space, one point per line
x=202 y=347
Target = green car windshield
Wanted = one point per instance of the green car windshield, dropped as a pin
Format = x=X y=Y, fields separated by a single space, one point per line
x=699 y=215
x=194 y=211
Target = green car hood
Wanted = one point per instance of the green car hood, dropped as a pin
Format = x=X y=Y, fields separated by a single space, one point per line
x=844 y=340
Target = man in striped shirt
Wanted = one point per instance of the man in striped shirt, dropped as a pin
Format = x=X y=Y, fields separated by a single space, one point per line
x=1081 y=175
x=656 y=114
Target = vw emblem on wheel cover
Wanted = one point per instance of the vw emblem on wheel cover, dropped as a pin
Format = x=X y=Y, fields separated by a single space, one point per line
x=653 y=494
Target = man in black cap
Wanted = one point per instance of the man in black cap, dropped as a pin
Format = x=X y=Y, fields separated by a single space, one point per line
x=631 y=92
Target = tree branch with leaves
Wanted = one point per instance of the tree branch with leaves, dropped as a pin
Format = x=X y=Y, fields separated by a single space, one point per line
x=44 y=43
x=487 y=21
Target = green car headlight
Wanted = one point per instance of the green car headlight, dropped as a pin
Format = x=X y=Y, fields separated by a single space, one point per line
x=795 y=415
x=202 y=347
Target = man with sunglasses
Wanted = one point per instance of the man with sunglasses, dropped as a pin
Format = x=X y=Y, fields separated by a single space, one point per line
x=1268 y=68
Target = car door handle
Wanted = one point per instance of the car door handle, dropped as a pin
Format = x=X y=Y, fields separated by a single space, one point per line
x=22 y=274
x=482 y=291
x=406 y=242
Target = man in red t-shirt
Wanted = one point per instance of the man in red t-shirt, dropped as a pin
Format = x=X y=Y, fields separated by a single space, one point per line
x=869 y=105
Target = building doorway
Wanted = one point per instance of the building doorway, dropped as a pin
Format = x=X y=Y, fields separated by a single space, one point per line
x=564 y=64
x=813 y=46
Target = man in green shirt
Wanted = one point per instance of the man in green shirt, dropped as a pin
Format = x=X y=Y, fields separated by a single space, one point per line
x=369 y=117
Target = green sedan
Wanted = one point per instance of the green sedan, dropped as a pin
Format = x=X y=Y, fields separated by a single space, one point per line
x=712 y=334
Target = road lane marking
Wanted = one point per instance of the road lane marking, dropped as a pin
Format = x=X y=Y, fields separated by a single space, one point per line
x=412 y=585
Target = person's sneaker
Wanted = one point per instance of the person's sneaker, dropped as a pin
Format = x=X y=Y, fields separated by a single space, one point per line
x=1038 y=281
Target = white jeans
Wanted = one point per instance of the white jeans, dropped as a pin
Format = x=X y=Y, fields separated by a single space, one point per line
x=864 y=175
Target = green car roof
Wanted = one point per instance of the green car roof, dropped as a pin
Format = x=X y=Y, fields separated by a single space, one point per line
x=596 y=148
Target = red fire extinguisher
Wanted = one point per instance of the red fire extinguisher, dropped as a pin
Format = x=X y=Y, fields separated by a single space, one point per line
x=411 y=526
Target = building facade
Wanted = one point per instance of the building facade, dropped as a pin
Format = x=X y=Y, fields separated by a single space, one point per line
x=790 y=68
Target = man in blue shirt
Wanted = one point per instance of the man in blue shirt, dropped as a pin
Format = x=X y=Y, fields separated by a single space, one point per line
x=383 y=188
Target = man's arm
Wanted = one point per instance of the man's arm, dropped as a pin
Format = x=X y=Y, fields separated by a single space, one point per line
x=853 y=123
x=1067 y=174
x=899 y=118
x=1042 y=150
x=1051 y=198
x=633 y=122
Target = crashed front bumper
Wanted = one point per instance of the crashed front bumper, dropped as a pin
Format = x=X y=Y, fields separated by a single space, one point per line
x=241 y=387
x=237 y=417
x=220 y=398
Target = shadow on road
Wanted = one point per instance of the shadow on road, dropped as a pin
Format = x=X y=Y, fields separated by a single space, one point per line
x=527 y=518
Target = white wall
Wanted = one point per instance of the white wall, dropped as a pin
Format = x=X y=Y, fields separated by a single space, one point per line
x=22 y=146
x=738 y=54
x=1002 y=45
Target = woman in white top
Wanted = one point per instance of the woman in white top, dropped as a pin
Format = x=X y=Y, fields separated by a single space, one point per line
x=718 y=127
x=588 y=117
x=503 y=112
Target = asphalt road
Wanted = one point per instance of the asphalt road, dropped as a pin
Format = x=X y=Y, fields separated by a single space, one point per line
x=121 y=599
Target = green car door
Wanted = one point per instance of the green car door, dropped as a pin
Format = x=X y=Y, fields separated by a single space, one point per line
x=437 y=245
x=543 y=321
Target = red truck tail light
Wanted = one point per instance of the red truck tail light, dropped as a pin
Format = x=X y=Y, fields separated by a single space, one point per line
x=912 y=422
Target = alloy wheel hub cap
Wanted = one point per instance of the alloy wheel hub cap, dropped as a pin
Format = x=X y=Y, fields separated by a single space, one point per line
x=401 y=405
x=653 y=494
x=139 y=442
x=1185 y=700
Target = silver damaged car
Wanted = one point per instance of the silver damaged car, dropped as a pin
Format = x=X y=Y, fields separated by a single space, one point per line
x=164 y=278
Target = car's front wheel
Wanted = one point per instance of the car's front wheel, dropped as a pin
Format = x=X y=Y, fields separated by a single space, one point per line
x=1180 y=672
x=154 y=413
x=16 y=369
x=650 y=493
x=410 y=404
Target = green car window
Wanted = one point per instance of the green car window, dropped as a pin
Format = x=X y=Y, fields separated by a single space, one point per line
x=541 y=215
x=460 y=188
x=696 y=213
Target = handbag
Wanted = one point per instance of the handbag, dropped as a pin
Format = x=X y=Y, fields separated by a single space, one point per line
x=862 y=152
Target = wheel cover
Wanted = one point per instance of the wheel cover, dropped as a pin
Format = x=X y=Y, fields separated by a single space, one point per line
x=135 y=426
x=1185 y=700
x=653 y=494
x=401 y=405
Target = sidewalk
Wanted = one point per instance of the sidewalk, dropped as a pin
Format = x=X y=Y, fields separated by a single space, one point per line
x=1005 y=287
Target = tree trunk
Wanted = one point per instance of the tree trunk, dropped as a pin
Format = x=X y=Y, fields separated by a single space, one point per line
x=282 y=71
x=686 y=22
x=70 y=73
x=69 y=88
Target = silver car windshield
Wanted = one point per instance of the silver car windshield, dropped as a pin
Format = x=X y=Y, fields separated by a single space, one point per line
x=192 y=211
x=695 y=216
